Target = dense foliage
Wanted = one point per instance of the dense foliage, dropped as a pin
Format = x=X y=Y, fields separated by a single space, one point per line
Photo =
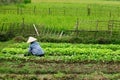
x=67 y=52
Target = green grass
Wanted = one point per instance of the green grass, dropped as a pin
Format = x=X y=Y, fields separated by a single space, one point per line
x=80 y=1
x=63 y=15
x=53 y=17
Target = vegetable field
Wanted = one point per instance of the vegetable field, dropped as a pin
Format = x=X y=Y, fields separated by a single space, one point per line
x=80 y=38
x=62 y=61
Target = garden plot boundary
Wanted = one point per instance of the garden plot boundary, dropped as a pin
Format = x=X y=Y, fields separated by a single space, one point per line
x=64 y=11
x=111 y=27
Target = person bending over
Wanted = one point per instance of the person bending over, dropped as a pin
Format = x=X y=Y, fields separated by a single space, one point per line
x=34 y=48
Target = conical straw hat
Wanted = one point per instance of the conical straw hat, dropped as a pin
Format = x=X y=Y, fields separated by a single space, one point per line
x=31 y=39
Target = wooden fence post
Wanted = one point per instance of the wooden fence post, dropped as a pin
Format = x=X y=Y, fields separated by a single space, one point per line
x=49 y=11
x=2 y=27
x=34 y=9
x=23 y=25
x=11 y=28
x=76 y=11
x=20 y=10
x=17 y=10
x=76 y=28
x=64 y=11
x=96 y=28
x=88 y=11
x=118 y=12
x=110 y=14
x=110 y=26
x=97 y=25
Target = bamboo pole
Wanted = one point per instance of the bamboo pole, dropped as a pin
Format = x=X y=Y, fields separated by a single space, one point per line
x=36 y=30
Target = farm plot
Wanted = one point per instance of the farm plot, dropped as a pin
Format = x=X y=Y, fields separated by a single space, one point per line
x=61 y=61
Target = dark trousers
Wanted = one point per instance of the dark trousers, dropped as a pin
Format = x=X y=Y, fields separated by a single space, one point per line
x=31 y=54
x=40 y=55
x=28 y=54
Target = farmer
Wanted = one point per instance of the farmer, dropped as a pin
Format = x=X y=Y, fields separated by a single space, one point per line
x=34 y=48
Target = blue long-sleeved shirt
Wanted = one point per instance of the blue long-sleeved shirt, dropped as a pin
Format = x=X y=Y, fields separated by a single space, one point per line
x=35 y=49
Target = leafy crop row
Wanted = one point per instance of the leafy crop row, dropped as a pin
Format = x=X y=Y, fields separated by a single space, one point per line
x=68 y=45
x=13 y=51
x=73 y=53
x=63 y=58
x=66 y=51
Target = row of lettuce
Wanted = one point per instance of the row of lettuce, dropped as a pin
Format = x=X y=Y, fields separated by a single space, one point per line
x=79 y=58
x=113 y=47
x=65 y=52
